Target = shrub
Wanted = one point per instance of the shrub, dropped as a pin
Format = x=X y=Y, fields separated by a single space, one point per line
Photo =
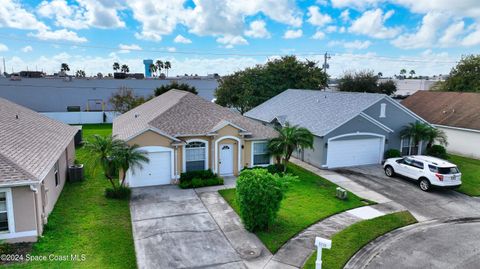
x=120 y=193
x=438 y=151
x=201 y=174
x=392 y=153
x=197 y=182
x=272 y=169
x=259 y=194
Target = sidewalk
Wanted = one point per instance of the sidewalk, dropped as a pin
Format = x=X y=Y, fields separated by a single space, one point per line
x=343 y=182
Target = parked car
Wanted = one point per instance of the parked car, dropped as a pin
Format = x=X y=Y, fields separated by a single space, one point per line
x=427 y=171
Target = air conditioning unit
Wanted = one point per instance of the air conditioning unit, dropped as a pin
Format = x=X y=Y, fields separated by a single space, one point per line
x=341 y=193
x=75 y=172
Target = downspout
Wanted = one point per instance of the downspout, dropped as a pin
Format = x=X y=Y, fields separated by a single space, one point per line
x=34 y=189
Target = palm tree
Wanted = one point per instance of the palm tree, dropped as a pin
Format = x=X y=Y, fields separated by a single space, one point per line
x=167 y=66
x=64 y=67
x=116 y=66
x=129 y=157
x=434 y=134
x=153 y=68
x=102 y=148
x=290 y=138
x=412 y=72
x=380 y=74
x=159 y=65
x=403 y=71
x=125 y=68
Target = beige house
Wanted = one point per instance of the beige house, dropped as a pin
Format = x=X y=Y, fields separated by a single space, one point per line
x=455 y=113
x=183 y=132
x=35 y=152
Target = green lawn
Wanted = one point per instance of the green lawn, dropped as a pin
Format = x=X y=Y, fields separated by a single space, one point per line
x=347 y=242
x=85 y=222
x=470 y=169
x=307 y=201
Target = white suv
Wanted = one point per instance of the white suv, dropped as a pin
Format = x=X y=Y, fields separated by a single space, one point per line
x=427 y=171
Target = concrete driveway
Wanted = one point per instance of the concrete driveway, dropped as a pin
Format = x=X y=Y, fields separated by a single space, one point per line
x=432 y=244
x=173 y=229
x=424 y=205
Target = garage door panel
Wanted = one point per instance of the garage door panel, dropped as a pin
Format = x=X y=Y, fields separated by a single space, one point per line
x=353 y=152
x=155 y=172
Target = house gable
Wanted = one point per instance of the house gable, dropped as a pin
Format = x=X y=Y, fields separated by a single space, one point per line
x=150 y=138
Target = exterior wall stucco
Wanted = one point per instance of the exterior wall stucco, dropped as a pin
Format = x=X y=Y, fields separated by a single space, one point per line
x=24 y=209
x=396 y=119
x=462 y=142
x=150 y=138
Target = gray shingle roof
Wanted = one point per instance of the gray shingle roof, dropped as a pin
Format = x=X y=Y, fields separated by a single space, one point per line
x=318 y=111
x=30 y=143
x=179 y=113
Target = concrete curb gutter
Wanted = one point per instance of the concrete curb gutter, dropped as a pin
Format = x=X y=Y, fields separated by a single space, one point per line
x=365 y=255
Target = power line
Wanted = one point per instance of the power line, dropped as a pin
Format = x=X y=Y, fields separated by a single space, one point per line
x=264 y=54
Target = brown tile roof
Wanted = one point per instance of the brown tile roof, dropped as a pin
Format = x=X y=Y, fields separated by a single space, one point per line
x=30 y=143
x=456 y=109
x=179 y=113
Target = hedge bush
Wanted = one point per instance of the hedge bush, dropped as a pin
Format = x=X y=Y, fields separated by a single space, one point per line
x=438 y=151
x=197 y=179
x=272 y=168
x=259 y=194
x=201 y=174
x=198 y=182
x=392 y=153
x=120 y=193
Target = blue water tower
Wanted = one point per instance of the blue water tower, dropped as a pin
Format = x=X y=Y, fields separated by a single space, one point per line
x=147 y=64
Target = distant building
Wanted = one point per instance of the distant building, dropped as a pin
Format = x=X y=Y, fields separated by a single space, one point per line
x=31 y=74
x=148 y=63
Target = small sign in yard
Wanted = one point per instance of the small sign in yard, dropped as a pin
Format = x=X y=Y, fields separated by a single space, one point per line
x=321 y=243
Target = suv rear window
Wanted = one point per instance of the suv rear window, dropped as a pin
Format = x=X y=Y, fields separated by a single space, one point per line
x=443 y=170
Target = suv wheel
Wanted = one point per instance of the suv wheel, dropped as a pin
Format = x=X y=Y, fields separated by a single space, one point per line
x=389 y=171
x=424 y=184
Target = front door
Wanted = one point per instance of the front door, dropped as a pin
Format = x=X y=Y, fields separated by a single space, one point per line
x=226 y=159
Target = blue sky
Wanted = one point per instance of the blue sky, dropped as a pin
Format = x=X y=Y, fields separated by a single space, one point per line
x=222 y=36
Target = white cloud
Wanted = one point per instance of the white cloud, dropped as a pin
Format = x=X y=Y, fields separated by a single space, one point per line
x=56 y=35
x=472 y=38
x=371 y=23
x=13 y=15
x=171 y=49
x=230 y=41
x=182 y=39
x=345 y=15
x=357 y=4
x=426 y=36
x=318 y=35
x=451 y=34
x=151 y=36
x=127 y=48
x=83 y=14
x=316 y=18
x=208 y=17
x=3 y=47
x=292 y=34
x=27 y=49
x=357 y=44
x=462 y=8
x=257 y=29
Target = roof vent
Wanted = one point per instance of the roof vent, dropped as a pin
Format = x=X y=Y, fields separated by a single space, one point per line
x=136 y=115
x=16 y=116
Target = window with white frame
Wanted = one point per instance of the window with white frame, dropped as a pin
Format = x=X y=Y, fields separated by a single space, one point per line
x=260 y=153
x=195 y=156
x=57 y=178
x=407 y=146
x=383 y=110
x=3 y=212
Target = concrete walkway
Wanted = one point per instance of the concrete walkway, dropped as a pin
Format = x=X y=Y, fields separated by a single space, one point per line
x=298 y=249
x=343 y=182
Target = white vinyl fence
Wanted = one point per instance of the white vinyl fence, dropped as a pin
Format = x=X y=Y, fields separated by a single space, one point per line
x=83 y=117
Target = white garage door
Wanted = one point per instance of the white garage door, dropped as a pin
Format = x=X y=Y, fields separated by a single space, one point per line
x=353 y=152
x=156 y=172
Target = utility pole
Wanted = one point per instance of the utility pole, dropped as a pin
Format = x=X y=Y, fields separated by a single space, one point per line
x=326 y=57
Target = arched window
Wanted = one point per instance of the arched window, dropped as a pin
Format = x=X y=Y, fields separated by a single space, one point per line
x=195 y=156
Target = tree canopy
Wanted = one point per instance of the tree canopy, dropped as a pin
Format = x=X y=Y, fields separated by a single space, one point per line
x=246 y=89
x=365 y=81
x=465 y=77
x=175 y=85
x=125 y=99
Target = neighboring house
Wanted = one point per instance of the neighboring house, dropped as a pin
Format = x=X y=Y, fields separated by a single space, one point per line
x=456 y=113
x=350 y=128
x=35 y=152
x=183 y=132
